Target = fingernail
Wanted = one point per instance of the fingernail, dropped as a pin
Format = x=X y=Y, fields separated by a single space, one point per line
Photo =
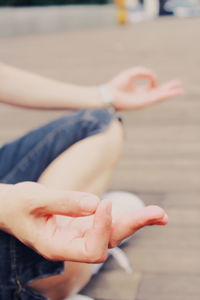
x=89 y=204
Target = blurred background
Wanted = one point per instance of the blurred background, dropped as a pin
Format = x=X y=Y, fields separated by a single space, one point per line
x=60 y=15
x=88 y=43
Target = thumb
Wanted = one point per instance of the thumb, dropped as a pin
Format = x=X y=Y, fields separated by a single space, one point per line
x=61 y=202
x=125 y=226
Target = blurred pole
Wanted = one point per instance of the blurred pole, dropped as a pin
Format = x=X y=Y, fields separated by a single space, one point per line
x=151 y=8
x=122 y=14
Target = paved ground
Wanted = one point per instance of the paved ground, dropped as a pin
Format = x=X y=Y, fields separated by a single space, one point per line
x=161 y=161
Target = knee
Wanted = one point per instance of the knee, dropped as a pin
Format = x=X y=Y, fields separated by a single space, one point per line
x=98 y=120
x=109 y=124
x=110 y=128
x=113 y=141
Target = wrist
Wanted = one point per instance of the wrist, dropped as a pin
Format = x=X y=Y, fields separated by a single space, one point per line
x=107 y=97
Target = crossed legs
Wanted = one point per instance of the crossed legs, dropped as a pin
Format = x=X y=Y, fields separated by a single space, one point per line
x=85 y=166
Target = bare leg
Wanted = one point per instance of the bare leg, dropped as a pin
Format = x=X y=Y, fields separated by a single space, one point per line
x=58 y=287
x=86 y=166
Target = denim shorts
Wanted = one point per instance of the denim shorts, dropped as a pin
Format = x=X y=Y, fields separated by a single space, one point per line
x=24 y=160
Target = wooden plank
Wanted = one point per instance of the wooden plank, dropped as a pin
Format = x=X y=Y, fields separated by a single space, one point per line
x=164 y=134
x=165 y=151
x=112 y=285
x=151 y=259
x=169 y=237
x=184 y=217
x=151 y=177
x=186 y=200
x=169 y=287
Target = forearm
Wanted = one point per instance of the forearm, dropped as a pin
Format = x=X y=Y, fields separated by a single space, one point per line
x=22 y=88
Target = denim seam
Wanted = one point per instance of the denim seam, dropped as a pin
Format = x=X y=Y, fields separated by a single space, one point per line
x=13 y=257
x=16 y=279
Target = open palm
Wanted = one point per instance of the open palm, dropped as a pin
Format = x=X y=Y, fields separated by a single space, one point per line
x=88 y=238
x=70 y=226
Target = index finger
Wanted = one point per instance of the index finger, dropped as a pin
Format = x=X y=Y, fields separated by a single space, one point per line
x=141 y=73
x=61 y=202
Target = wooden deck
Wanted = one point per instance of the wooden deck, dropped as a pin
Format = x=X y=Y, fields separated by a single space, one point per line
x=162 y=155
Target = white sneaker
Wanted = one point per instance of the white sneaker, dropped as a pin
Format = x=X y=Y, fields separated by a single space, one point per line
x=121 y=201
x=79 y=297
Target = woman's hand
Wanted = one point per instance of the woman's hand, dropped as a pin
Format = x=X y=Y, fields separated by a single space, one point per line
x=68 y=225
x=29 y=212
x=128 y=94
